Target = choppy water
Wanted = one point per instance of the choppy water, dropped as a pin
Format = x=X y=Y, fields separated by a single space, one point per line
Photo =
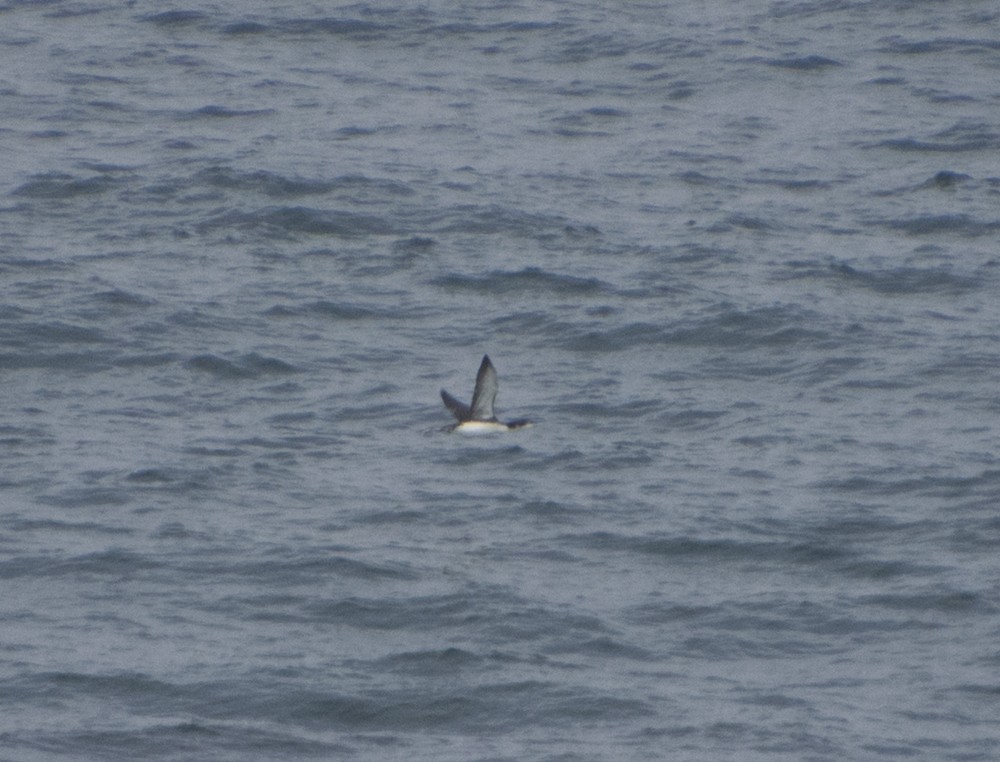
x=739 y=260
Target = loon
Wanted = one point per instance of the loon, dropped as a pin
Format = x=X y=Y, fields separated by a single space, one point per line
x=478 y=418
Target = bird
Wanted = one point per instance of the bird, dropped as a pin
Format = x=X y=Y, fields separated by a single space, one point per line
x=478 y=417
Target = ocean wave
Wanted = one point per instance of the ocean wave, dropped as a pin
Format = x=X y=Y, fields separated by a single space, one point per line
x=527 y=279
x=902 y=281
x=961 y=137
x=355 y=188
x=803 y=63
x=932 y=224
x=63 y=186
x=284 y=221
x=251 y=365
x=115 y=562
x=728 y=327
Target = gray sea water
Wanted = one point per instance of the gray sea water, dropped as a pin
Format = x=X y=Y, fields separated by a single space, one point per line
x=740 y=262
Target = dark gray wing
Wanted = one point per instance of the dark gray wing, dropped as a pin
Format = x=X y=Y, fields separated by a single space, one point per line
x=485 y=393
x=458 y=409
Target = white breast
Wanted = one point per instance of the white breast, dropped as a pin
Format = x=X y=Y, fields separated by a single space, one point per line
x=481 y=427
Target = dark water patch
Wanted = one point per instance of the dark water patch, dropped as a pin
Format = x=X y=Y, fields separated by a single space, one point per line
x=603 y=462
x=505 y=28
x=354 y=187
x=950 y=602
x=599 y=339
x=360 y=30
x=10 y=312
x=779 y=628
x=175 y=530
x=550 y=510
x=901 y=46
x=983 y=690
x=152 y=476
x=527 y=323
x=946 y=180
x=364 y=188
x=699 y=179
x=670 y=613
x=213 y=111
x=959 y=364
x=583 y=123
x=755 y=474
x=416 y=613
x=34 y=266
x=916 y=145
x=353 y=131
x=117 y=297
x=13 y=438
x=566 y=132
x=284 y=221
x=173 y=19
x=18 y=523
x=446 y=663
x=135 y=685
x=115 y=562
x=333 y=310
x=60 y=186
x=903 y=281
x=771 y=700
x=483 y=708
x=31 y=335
x=765 y=441
x=414 y=245
x=198 y=319
x=192 y=740
x=63 y=362
x=744 y=222
x=804 y=63
x=111 y=107
x=589 y=48
x=245 y=28
x=961 y=137
x=388 y=518
x=501 y=220
x=748 y=642
x=263 y=182
x=526 y=280
x=247 y=366
x=686 y=549
x=690 y=419
x=606 y=112
x=930 y=486
x=832 y=368
x=872 y=529
x=154 y=360
x=591 y=410
x=791 y=184
x=730 y=328
x=934 y=224
x=879 y=383
x=601 y=648
x=883 y=570
x=291 y=419
x=886 y=81
x=79 y=497
x=295 y=569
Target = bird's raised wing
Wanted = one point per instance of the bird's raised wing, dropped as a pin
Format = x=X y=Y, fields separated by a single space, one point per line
x=485 y=393
x=458 y=409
